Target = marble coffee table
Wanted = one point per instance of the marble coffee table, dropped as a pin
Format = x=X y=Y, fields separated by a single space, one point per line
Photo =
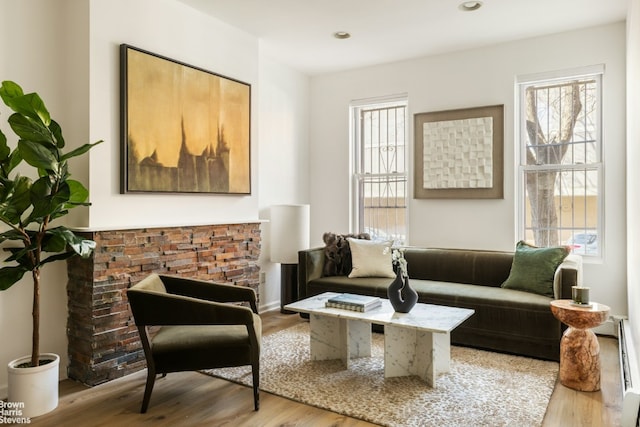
x=415 y=343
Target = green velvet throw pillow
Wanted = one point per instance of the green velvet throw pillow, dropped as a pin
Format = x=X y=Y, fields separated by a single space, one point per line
x=533 y=268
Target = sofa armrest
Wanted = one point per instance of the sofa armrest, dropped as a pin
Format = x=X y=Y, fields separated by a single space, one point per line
x=310 y=266
x=568 y=274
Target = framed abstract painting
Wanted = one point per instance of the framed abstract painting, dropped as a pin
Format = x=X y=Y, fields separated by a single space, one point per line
x=183 y=129
x=459 y=154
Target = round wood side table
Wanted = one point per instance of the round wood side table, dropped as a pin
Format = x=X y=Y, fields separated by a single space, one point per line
x=579 y=348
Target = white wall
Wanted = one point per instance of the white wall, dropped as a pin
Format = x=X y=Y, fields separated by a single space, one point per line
x=174 y=30
x=284 y=155
x=633 y=172
x=70 y=55
x=468 y=79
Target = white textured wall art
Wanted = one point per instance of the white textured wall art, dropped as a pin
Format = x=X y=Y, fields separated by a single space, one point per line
x=458 y=153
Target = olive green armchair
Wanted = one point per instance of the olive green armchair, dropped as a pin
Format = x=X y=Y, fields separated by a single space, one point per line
x=197 y=327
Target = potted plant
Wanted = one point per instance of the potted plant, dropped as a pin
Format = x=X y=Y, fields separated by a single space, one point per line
x=28 y=206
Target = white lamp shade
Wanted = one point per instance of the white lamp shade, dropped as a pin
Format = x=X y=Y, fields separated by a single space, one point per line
x=289 y=232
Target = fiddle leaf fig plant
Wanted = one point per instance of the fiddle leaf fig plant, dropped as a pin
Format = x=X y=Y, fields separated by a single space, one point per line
x=29 y=203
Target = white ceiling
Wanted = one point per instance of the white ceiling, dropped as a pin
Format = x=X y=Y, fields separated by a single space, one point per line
x=300 y=32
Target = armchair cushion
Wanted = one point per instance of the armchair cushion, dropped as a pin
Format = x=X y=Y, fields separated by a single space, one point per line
x=197 y=347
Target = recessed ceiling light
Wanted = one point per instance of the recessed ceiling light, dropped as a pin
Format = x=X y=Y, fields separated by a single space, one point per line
x=341 y=35
x=469 y=6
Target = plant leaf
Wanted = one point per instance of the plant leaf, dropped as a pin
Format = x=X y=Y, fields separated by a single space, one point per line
x=45 y=202
x=57 y=257
x=29 y=105
x=38 y=155
x=18 y=255
x=14 y=160
x=83 y=247
x=80 y=150
x=11 y=235
x=10 y=90
x=32 y=105
x=29 y=129
x=53 y=242
x=56 y=130
x=80 y=245
x=78 y=193
x=4 y=148
x=10 y=275
x=16 y=200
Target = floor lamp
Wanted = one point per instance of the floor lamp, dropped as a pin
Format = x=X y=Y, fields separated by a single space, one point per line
x=289 y=234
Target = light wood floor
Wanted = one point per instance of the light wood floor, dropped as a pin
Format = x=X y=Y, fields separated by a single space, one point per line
x=193 y=399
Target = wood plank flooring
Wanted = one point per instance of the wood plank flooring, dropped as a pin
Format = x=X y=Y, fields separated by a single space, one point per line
x=193 y=399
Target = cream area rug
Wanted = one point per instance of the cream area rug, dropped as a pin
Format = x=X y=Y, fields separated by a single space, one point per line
x=481 y=389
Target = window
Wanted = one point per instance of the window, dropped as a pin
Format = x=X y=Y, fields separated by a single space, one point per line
x=560 y=173
x=379 y=196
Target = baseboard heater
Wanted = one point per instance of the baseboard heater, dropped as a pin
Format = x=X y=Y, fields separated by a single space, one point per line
x=630 y=373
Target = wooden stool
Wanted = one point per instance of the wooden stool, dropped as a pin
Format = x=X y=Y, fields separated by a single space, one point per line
x=579 y=347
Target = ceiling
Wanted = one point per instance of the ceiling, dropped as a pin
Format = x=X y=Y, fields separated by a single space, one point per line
x=300 y=32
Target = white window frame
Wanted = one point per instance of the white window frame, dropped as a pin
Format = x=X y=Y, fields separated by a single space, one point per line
x=355 y=108
x=595 y=71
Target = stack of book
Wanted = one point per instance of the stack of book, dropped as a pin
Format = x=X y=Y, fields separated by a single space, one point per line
x=354 y=302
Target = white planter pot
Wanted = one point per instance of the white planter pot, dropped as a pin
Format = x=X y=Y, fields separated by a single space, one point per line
x=34 y=390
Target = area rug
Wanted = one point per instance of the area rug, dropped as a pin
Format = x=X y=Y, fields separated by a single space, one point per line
x=481 y=389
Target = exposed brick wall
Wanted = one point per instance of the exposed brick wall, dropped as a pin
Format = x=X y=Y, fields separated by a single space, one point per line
x=103 y=340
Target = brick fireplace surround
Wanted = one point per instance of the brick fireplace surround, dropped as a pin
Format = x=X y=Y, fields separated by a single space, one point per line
x=103 y=340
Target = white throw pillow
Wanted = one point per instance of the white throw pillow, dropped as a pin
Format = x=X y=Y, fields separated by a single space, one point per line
x=370 y=258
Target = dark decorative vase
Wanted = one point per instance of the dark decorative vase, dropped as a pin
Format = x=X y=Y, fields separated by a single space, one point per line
x=401 y=295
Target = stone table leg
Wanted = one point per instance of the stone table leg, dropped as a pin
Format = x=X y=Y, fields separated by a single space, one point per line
x=580 y=360
x=411 y=352
x=335 y=338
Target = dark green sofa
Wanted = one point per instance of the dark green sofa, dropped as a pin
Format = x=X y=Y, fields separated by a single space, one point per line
x=505 y=320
